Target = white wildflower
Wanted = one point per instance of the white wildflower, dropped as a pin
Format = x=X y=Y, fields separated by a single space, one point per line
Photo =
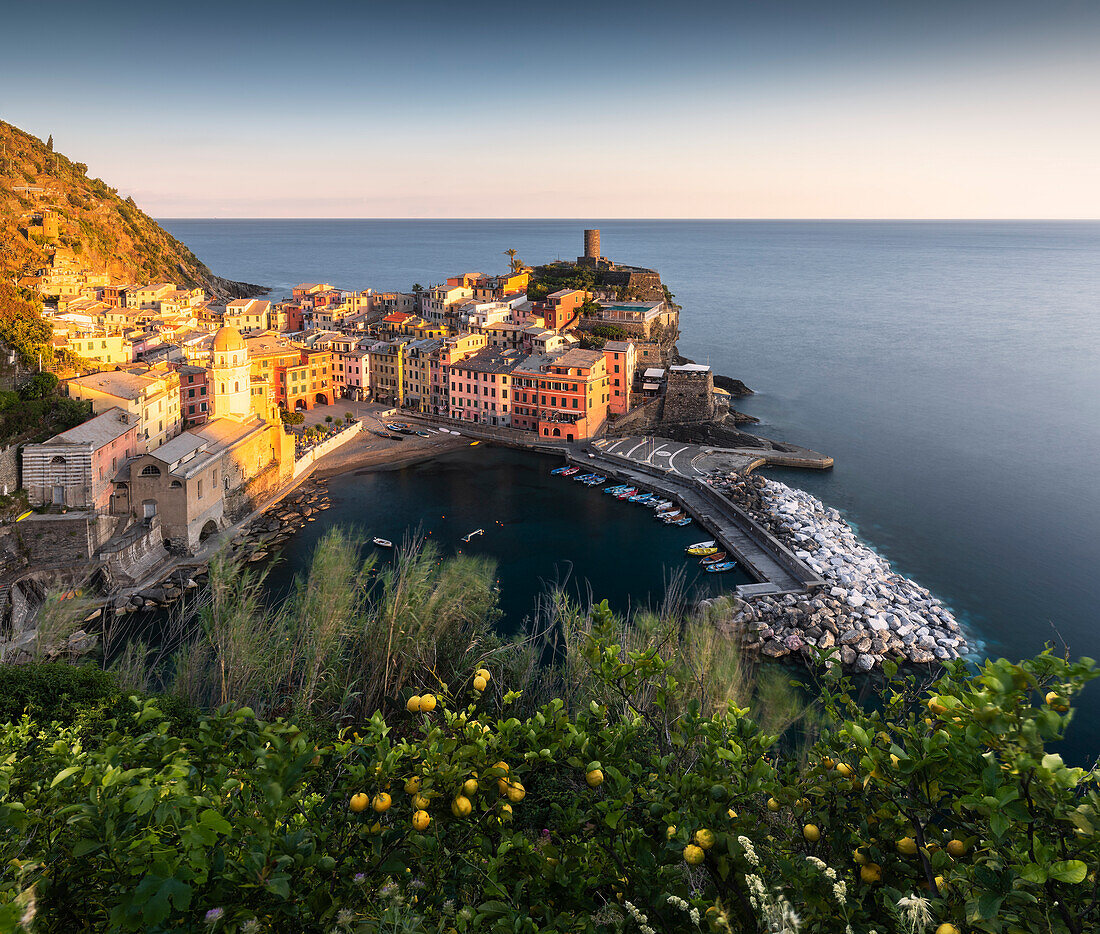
x=750 y=853
x=914 y=914
x=830 y=874
x=819 y=863
x=840 y=892
x=694 y=916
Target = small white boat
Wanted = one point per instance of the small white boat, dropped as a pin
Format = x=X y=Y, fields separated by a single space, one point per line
x=466 y=538
x=382 y=542
x=709 y=544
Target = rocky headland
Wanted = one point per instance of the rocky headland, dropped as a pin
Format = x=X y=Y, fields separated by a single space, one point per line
x=867 y=612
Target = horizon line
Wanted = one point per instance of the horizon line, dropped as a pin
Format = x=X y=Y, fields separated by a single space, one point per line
x=775 y=220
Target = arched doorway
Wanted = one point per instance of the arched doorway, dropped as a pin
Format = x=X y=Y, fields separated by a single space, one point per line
x=557 y=432
x=321 y=399
x=209 y=529
x=299 y=405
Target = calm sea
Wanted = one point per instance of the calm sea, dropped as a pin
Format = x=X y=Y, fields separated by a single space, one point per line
x=951 y=368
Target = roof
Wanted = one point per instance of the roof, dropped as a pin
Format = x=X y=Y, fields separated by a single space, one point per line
x=98 y=431
x=579 y=358
x=172 y=452
x=227 y=339
x=617 y=346
x=654 y=373
x=690 y=368
x=117 y=383
x=491 y=361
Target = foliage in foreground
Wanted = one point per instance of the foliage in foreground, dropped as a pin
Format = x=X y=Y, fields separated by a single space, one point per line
x=632 y=812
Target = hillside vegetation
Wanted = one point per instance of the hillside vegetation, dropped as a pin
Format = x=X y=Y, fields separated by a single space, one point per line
x=109 y=233
x=426 y=777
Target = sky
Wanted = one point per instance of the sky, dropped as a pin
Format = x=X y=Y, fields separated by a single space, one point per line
x=694 y=108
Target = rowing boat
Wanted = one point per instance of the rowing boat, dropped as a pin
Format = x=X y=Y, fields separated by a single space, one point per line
x=703 y=552
x=382 y=542
x=691 y=548
x=721 y=567
x=717 y=558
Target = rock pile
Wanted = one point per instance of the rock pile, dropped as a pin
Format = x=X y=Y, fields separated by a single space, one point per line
x=868 y=610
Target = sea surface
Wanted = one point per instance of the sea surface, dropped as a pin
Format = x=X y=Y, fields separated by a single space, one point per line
x=952 y=369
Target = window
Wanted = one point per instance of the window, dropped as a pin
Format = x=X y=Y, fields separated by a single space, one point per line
x=150 y=470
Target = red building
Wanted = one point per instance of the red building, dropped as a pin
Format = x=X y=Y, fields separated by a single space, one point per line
x=194 y=398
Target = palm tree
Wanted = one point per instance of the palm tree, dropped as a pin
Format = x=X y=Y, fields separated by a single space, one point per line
x=516 y=264
x=417 y=287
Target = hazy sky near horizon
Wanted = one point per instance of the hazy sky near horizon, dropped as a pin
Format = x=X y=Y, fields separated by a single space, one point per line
x=695 y=108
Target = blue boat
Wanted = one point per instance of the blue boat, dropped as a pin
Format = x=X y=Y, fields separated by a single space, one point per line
x=685 y=521
x=721 y=567
x=641 y=498
x=558 y=471
x=584 y=476
x=597 y=481
x=617 y=489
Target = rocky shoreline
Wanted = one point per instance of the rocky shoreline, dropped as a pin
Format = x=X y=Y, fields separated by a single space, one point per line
x=867 y=612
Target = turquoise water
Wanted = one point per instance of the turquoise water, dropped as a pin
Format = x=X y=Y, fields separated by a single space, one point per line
x=951 y=368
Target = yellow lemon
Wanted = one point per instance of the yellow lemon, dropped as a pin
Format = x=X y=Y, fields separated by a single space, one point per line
x=948 y=928
x=811 y=833
x=844 y=770
x=731 y=814
x=773 y=805
x=704 y=838
x=907 y=846
x=381 y=802
x=420 y=801
x=594 y=778
x=671 y=832
x=480 y=684
x=872 y=872
x=483 y=673
x=516 y=792
x=469 y=787
x=421 y=819
x=412 y=705
x=506 y=812
x=461 y=806
x=860 y=857
x=693 y=855
x=427 y=703
x=412 y=786
x=359 y=802
x=956 y=848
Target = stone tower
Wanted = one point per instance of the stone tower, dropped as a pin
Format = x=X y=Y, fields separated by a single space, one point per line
x=230 y=376
x=592 y=245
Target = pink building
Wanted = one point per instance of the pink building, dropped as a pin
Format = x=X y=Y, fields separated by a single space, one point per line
x=621 y=358
x=194 y=401
x=76 y=468
x=353 y=373
x=480 y=387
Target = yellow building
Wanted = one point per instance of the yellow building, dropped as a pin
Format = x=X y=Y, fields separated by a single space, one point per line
x=152 y=397
x=247 y=315
x=104 y=349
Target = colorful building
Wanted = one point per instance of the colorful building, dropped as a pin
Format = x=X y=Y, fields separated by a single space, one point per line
x=562 y=309
x=480 y=387
x=76 y=468
x=152 y=397
x=194 y=394
x=620 y=358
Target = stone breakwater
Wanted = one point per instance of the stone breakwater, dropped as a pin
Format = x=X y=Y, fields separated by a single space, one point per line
x=868 y=610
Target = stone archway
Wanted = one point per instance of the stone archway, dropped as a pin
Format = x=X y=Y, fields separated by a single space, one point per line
x=211 y=528
x=321 y=399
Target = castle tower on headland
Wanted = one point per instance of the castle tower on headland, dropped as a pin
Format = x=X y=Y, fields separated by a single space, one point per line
x=591 y=250
x=592 y=244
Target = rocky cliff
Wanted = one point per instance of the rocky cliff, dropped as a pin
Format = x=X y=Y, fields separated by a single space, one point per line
x=101 y=230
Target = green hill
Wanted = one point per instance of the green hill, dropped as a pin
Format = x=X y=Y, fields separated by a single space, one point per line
x=102 y=230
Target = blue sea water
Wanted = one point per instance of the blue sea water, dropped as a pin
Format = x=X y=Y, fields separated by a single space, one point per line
x=951 y=368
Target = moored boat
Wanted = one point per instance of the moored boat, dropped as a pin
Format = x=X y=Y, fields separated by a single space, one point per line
x=382 y=542
x=703 y=552
x=569 y=471
x=686 y=520
x=717 y=558
x=721 y=567
x=691 y=549
x=558 y=471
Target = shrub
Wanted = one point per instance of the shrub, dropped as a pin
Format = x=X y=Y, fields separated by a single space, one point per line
x=636 y=812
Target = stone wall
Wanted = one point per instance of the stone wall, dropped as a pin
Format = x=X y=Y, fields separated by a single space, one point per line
x=689 y=396
x=9 y=469
x=56 y=541
x=305 y=462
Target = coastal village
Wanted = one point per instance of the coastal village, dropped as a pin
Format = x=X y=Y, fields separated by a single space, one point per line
x=197 y=427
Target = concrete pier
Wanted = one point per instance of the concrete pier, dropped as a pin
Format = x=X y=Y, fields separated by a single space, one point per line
x=774 y=566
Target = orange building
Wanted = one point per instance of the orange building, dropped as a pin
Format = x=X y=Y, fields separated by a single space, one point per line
x=299 y=378
x=561 y=395
x=621 y=360
x=561 y=309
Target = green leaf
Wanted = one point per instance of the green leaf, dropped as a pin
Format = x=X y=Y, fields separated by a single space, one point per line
x=212 y=819
x=1068 y=870
x=64 y=773
x=1034 y=873
x=859 y=734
